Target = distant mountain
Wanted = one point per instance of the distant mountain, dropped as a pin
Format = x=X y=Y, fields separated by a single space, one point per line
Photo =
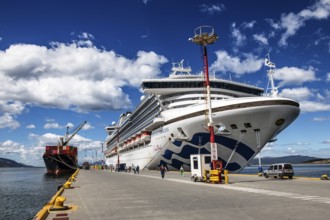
x=287 y=159
x=11 y=163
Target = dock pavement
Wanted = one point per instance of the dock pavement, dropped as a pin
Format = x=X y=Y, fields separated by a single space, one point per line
x=101 y=194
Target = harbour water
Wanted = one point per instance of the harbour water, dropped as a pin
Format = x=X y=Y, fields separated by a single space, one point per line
x=300 y=170
x=24 y=191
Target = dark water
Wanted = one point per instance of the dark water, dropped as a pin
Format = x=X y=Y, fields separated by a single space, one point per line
x=24 y=191
x=302 y=170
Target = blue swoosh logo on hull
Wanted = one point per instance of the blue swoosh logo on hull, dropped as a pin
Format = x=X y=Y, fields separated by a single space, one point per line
x=202 y=139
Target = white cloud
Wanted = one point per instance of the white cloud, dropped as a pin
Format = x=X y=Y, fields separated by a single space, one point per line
x=239 y=38
x=328 y=76
x=8 y=121
x=312 y=106
x=76 y=76
x=292 y=22
x=248 y=25
x=291 y=150
x=145 y=1
x=87 y=126
x=52 y=125
x=11 y=107
x=212 y=8
x=305 y=98
x=260 y=38
x=11 y=147
x=294 y=75
x=227 y=63
x=30 y=126
x=302 y=93
x=319 y=119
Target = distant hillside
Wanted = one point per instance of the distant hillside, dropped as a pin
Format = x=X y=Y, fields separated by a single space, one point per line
x=287 y=159
x=11 y=163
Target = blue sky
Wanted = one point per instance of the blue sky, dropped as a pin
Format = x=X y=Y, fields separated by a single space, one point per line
x=64 y=62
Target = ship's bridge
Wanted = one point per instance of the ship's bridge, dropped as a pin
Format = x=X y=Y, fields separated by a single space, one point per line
x=177 y=85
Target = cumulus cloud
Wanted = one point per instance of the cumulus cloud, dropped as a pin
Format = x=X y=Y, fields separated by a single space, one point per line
x=212 y=8
x=292 y=22
x=238 y=36
x=8 y=121
x=11 y=147
x=328 y=76
x=302 y=93
x=294 y=75
x=227 y=63
x=260 y=38
x=30 y=126
x=313 y=106
x=309 y=100
x=248 y=25
x=52 y=125
x=76 y=76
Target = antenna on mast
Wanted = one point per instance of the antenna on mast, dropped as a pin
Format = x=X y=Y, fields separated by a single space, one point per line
x=273 y=89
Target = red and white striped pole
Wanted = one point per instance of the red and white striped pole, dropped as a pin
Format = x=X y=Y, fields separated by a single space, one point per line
x=204 y=35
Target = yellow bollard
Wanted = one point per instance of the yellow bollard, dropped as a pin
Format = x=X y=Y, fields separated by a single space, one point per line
x=324 y=177
x=58 y=205
x=67 y=185
x=225 y=172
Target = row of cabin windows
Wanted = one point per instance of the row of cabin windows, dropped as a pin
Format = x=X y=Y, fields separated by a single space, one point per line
x=200 y=84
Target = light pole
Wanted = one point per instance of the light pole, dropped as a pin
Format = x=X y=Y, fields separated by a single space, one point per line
x=205 y=35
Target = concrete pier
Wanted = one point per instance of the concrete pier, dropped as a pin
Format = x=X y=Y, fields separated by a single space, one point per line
x=101 y=194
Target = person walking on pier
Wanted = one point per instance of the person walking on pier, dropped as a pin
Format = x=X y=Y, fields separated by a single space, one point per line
x=181 y=171
x=162 y=170
x=137 y=169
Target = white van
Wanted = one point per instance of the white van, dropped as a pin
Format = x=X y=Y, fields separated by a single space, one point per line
x=279 y=170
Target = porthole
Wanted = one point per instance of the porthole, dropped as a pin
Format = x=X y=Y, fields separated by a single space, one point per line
x=279 y=122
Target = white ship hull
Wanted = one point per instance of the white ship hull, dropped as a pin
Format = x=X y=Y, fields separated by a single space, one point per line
x=184 y=132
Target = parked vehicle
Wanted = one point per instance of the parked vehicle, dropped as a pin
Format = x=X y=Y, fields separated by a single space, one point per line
x=279 y=170
x=86 y=165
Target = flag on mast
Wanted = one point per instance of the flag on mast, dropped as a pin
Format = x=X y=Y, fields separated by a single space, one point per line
x=269 y=64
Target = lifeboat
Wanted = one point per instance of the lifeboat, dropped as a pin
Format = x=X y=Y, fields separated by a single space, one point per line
x=138 y=139
x=129 y=142
x=133 y=141
x=145 y=137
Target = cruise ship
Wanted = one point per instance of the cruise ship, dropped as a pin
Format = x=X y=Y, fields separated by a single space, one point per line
x=171 y=123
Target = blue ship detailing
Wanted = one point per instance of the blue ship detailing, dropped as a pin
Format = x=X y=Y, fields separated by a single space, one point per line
x=177 y=163
x=177 y=143
x=202 y=139
x=185 y=152
x=242 y=149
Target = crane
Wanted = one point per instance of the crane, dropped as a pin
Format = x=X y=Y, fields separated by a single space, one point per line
x=63 y=142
